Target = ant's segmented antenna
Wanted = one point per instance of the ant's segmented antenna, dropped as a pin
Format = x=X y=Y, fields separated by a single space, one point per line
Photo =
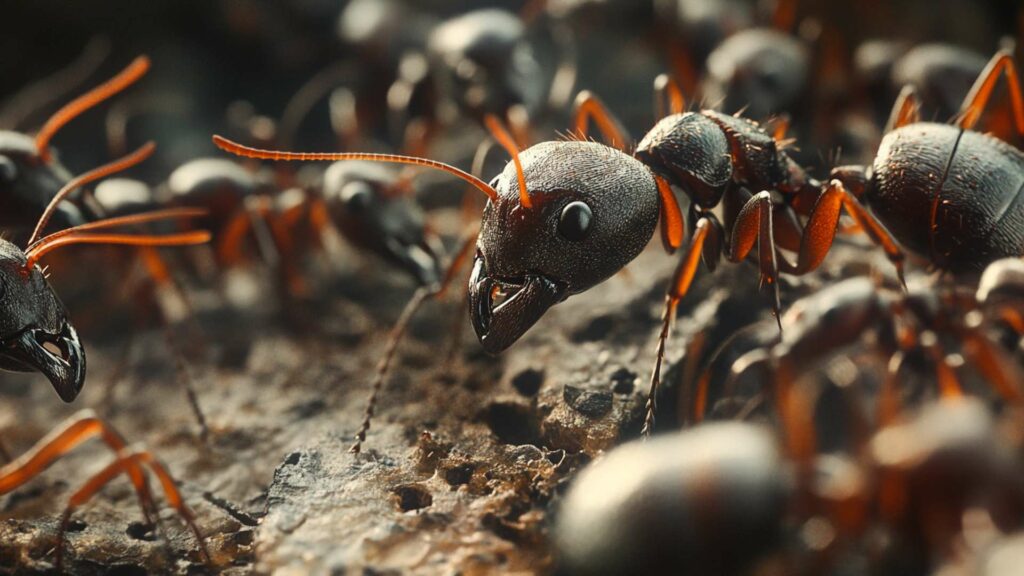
x=249 y=152
x=78 y=234
x=76 y=107
x=93 y=175
x=508 y=143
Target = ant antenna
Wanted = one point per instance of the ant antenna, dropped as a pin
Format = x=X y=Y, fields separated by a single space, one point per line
x=508 y=143
x=91 y=176
x=76 y=107
x=249 y=152
x=77 y=234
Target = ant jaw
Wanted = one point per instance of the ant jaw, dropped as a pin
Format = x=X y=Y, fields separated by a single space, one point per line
x=59 y=356
x=523 y=301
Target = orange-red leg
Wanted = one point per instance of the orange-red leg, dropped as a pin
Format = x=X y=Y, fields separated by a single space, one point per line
x=589 y=107
x=74 y=431
x=681 y=281
x=126 y=463
x=905 y=111
x=1000 y=371
x=421 y=295
x=668 y=97
x=755 y=224
x=821 y=227
x=232 y=238
x=977 y=99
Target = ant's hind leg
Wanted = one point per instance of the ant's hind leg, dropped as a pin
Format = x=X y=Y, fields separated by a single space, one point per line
x=421 y=295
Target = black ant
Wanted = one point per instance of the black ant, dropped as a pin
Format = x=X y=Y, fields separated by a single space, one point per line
x=35 y=334
x=900 y=327
x=738 y=498
x=565 y=216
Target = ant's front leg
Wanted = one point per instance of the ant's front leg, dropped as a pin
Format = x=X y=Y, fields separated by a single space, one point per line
x=681 y=280
x=422 y=294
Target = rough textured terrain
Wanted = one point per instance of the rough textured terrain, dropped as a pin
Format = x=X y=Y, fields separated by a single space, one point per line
x=464 y=463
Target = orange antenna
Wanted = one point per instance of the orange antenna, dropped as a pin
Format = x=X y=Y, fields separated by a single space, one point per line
x=505 y=139
x=77 y=235
x=91 y=176
x=71 y=110
x=249 y=152
x=182 y=239
x=165 y=214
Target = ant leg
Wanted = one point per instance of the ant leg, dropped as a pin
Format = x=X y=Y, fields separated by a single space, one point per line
x=796 y=410
x=133 y=460
x=755 y=223
x=74 y=431
x=977 y=99
x=668 y=98
x=229 y=247
x=398 y=331
x=821 y=228
x=681 y=280
x=780 y=127
x=684 y=69
x=945 y=377
x=673 y=228
x=906 y=110
x=588 y=106
x=993 y=364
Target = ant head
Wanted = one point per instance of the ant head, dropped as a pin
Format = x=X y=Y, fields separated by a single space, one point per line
x=369 y=205
x=591 y=209
x=562 y=217
x=34 y=330
x=485 y=64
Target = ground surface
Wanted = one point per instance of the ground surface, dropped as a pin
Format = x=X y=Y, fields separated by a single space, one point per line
x=463 y=466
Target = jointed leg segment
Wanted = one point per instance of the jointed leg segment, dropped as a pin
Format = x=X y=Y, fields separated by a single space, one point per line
x=76 y=430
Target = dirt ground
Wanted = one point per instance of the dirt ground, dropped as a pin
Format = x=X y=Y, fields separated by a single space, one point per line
x=462 y=468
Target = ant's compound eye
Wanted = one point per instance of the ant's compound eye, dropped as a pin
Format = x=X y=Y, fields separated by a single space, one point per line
x=574 y=223
x=356 y=196
x=8 y=169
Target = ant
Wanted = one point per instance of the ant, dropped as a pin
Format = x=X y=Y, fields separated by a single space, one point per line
x=564 y=216
x=901 y=327
x=733 y=497
x=35 y=334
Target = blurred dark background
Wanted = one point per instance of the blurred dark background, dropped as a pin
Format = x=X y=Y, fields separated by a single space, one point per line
x=209 y=53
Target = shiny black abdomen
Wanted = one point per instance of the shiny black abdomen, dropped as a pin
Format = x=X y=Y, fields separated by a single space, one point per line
x=955 y=197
